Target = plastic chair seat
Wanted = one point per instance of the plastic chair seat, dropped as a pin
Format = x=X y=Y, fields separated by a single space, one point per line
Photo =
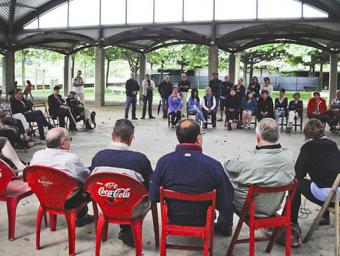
x=178 y=230
x=17 y=188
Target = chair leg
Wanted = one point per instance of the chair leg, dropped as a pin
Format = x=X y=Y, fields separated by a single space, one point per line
x=251 y=241
x=45 y=219
x=99 y=233
x=11 y=211
x=155 y=222
x=40 y=213
x=211 y=238
x=53 y=222
x=337 y=223
x=162 y=250
x=272 y=240
x=137 y=225
x=235 y=236
x=71 y=228
x=288 y=234
x=105 y=231
x=95 y=212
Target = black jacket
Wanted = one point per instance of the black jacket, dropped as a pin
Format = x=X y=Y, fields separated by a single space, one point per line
x=184 y=86
x=283 y=104
x=75 y=105
x=54 y=104
x=165 y=89
x=225 y=88
x=255 y=88
x=298 y=107
x=232 y=102
x=20 y=106
x=215 y=85
x=131 y=86
x=265 y=106
x=240 y=92
x=320 y=159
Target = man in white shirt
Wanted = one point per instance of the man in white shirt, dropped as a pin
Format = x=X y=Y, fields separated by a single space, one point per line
x=58 y=155
x=78 y=86
x=209 y=104
x=147 y=85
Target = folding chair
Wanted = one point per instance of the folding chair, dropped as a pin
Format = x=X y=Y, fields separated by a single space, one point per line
x=52 y=188
x=12 y=190
x=206 y=232
x=333 y=196
x=248 y=217
x=119 y=196
x=284 y=121
x=300 y=124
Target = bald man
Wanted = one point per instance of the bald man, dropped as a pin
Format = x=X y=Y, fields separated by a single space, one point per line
x=188 y=170
x=58 y=155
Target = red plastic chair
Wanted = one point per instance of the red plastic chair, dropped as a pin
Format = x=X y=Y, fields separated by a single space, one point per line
x=12 y=190
x=248 y=217
x=118 y=195
x=206 y=232
x=52 y=188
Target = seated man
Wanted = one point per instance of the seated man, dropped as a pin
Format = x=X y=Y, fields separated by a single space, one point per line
x=265 y=106
x=23 y=106
x=332 y=116
x=58 y=109
x=58 y=155
x=187 y=170
x=175 y=106
x=295 y=109
x=122 y=159
x=80 y=112
x=209 y=104
x=317 y=107
x=281 y=105
x=269 y=165
x=232 y=108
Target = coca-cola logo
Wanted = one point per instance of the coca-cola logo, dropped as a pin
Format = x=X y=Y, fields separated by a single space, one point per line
x=112 y=190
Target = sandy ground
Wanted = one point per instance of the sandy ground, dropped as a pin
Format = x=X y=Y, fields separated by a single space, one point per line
x=155 y=139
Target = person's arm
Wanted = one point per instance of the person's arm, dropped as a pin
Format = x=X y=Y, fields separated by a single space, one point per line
x=156 y=182
x=78 y=169
x=285 y=103
x=277 y=103
x=160 y=90
x=147 y=171
x=203 y=104
x=309 y=108
x=214 y=105
x=323 y=106
x=301 y=165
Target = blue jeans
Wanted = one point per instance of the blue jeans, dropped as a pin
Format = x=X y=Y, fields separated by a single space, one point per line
x=198 y=114
x=130 y=100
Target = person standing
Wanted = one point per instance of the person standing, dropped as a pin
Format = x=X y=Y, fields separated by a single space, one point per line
x=215 y=85
x=184 y=86
x=147 y=85
x=28 y=90
x=165 y=90
x=267 y=86
x=132 y=89
x=78 y=86
x=225 y=88
x=255 y=87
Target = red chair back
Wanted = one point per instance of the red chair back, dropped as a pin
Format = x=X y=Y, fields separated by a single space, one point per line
x=6 y=175
x=116 y=194
x=52 y=187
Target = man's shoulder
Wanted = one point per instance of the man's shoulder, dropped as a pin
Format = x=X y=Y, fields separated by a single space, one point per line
x=129 y=153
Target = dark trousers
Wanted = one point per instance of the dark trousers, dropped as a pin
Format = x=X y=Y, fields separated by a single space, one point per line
x=61 y=114
x=331 y=117
x=38 y=117
x=147 y=100
x=303 y=188
x=130 y=100
x=14 y=122
x=13 y=136
x=175 y=117
x=213 y=115
x=232 y=115
x=165 y=106
x=76 y=200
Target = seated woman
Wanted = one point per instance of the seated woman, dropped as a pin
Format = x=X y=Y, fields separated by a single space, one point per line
x=317 y=107
x=80 y=112
x=265 y=106
x=23 y=106
x=295 y=109
x=319 y=158
x=248 y=108
x=232 y=108
x=281 y=105
x=175 y=106
x=194 y=106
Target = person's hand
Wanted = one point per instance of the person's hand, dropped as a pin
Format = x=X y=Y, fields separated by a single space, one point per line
x=65 y=107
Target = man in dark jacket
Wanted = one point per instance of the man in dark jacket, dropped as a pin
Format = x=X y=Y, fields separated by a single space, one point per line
x=118 y=158
x=188 y=170
x=225 y=88
x=21 y=105
x=131 y=88
x=58 y=109
x=265 y=106
x=215 y=85
x=184 y=86
x=165 y=90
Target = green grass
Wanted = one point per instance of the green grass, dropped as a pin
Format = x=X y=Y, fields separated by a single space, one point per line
x=89 y=94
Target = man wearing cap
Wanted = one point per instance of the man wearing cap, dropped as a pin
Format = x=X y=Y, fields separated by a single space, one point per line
x=79 y=112
x=58 y=109
x=78 y=86
x=215 y=85
x=316 y=107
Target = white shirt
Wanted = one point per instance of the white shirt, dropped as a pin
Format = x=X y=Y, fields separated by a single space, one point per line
x=63 y=160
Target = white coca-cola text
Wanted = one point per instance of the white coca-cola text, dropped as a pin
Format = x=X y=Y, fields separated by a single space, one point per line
x=114 y=193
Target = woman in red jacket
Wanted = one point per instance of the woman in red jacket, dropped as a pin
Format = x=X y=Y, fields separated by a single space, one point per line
x=316 y=107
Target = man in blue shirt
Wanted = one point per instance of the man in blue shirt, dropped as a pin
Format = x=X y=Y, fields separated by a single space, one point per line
x=188 y=170
x=119 y=159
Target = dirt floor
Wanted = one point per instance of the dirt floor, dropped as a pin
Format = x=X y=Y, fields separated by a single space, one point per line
x=155 y=139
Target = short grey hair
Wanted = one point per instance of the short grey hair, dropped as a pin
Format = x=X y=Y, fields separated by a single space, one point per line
x=268 y=130
x=54 y=137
